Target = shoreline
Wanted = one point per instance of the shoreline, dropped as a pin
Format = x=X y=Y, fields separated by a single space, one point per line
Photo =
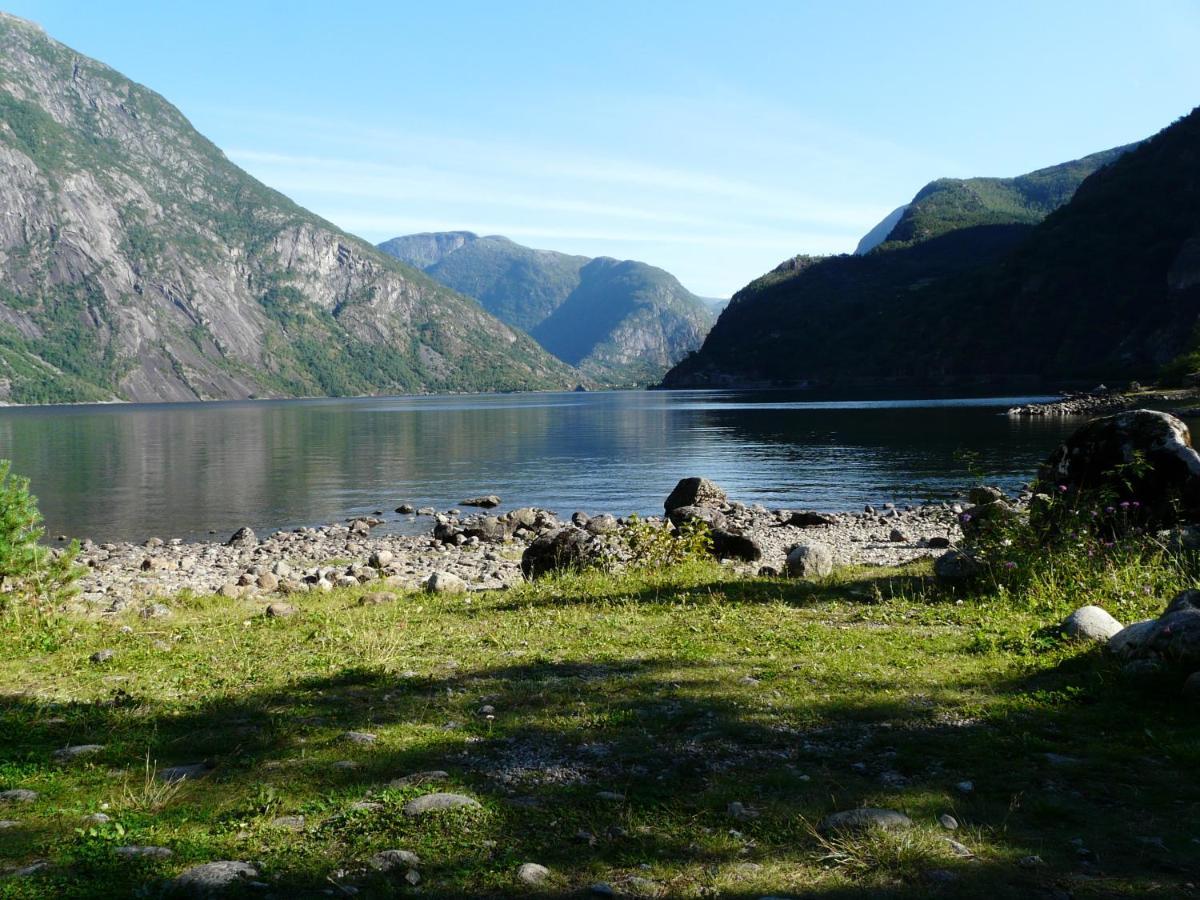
x=1104 y=402
x=482 y=549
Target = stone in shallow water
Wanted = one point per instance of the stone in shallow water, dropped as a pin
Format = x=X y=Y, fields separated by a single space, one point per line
x=864 y=818
x=435 y=802
x=213 y=878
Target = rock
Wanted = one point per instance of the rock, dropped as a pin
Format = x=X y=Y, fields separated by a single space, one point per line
x=956 y=566
x=243 y=537
x=560 y=550
x=938 y=542
x=1191 y=688
x=280 y=610
x=360 y=737
x=268 y=582
x=1090 y=623
x=38 y=865
x=96 y=819
x=1097 y=459
x=898 y=537
x=489 y=529
x=602 y=524
x=713 y=518
x=1173 y=638
x=435 y=802
x=602 y=889
x=394 y=860
x=376 y=598
x=155 y=611
x=965 y=787
x=444 y=583
x=486 y=502
x=381 y=559
x=863 y=819
x=731 y=545
x=532 y=873
x=213 y=878
x=523 y=517
x=102 y=656
x=610 y=796
x=948 y=822
x=695 y=492
x=68 y=754
x=428 y=777
x=805 y=519
x=136 y=852
x=185 y=772
x=291 y=823
x=18 y=795
x=231 y=589
x=6 y=824
x=809 y=561
x=406 y=509
x=981 y=496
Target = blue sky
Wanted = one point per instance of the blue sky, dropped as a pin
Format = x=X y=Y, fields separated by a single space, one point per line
x=713 y=139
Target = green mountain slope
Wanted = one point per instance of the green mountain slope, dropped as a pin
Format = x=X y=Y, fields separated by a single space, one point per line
x=973 y=292
x=619 y=322
x=137 y=262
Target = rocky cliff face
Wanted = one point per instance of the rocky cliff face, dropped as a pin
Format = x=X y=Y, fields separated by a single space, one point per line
x=619 y=322
x=137 y=262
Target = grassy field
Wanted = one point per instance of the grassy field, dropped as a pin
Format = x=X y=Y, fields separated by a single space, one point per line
x=605 y=724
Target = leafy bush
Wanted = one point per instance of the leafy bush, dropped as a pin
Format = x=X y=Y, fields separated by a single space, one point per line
x=652 y=545
x=30 y=574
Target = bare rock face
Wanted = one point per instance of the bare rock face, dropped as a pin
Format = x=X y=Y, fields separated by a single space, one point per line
x=137 y=262
x=696 y=492
x=1141 y=457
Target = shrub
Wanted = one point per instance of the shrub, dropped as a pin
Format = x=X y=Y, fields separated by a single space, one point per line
x=650 y=545
x=30 y=573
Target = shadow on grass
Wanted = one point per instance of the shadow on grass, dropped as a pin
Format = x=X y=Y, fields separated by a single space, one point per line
x=1071 y=763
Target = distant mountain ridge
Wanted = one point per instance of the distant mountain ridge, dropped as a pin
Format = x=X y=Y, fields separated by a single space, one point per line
x=621 y=322
x=976 y=284
x=138 y=263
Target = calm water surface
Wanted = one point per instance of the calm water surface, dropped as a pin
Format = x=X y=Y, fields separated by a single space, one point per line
x=181 y=470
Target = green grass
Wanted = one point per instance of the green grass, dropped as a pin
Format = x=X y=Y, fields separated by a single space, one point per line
x=683 y=691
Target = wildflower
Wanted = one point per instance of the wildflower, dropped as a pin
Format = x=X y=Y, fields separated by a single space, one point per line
x=965 y=518
x=1124 y=504
x=1135 y=504
x=1010 y=565
x=1109 y=510
x=1062 y=488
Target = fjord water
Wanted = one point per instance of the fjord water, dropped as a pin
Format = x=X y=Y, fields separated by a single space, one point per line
x=128 y=472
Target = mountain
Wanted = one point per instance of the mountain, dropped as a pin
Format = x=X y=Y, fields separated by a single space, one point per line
x=880 y=232
x=137 y=262
x=968 y=290
x=619 y=322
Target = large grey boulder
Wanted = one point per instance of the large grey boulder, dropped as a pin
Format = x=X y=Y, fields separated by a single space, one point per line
x=489 y=529
x=1090 y=623
x=695 y=492
x=1173 y=638
x=562 y=550
x=243 y=537
x=809 y=561
x=1143 y=456
x=444 y=583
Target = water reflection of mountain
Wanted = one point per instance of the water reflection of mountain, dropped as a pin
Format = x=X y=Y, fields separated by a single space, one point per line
x=179 y=470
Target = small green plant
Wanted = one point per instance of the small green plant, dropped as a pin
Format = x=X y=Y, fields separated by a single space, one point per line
x=650 y=545
x=150 y=792
x=31 y=575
